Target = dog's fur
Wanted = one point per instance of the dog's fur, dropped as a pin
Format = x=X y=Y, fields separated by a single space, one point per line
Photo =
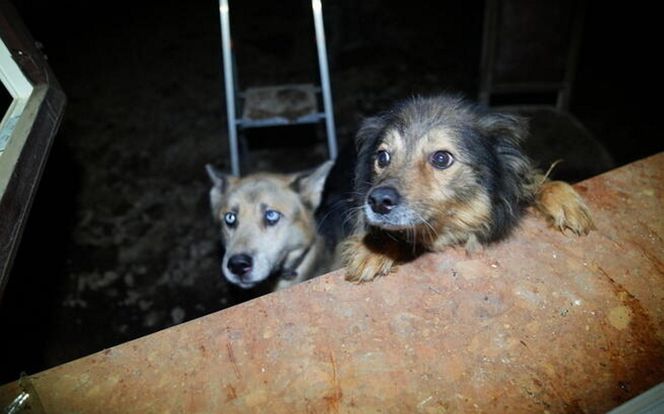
x=282 y=253
x=478 y=199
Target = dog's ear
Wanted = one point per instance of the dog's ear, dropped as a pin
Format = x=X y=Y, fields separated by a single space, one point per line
x=309 y=184
x=512 y=128
x=514 y=182
x=507 y=132
x=220 y=184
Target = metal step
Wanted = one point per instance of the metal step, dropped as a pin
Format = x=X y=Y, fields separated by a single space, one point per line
x=280 y=105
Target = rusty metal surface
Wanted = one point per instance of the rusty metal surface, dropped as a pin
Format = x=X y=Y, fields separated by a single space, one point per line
x=541 y=323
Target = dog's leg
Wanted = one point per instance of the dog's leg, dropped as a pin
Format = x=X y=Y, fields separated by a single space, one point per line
x=564 y=208
x=472 y=245
x=367 y=258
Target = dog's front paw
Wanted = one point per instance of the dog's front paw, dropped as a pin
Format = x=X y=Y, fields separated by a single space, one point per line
x=363 y=264
x=564 y=208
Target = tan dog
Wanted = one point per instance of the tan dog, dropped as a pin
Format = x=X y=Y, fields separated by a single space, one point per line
x=268 y=226
x=439 y=171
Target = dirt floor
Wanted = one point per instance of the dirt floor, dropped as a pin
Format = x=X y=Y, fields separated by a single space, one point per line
x=120 y=242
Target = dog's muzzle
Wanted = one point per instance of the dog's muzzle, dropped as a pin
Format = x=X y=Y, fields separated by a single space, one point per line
x=387 y=209
x=382 y=200
x=240 y=265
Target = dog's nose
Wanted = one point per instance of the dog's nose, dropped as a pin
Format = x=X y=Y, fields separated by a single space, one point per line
x=383 y=199
x=240 y=264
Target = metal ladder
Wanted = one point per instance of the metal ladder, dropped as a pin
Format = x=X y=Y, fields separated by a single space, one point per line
x=300 y=98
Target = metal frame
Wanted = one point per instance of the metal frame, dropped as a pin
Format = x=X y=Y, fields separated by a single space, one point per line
x=324 y=77
x=649 y=402
x=31 y=123
x=563 y=88
x=20 y=90
x=230 y=84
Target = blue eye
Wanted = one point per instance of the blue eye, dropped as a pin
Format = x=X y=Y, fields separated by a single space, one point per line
x=383 y=158
x=230 y=219
x=272 y=217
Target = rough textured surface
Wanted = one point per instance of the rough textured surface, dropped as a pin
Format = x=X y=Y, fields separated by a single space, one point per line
x=543 y=322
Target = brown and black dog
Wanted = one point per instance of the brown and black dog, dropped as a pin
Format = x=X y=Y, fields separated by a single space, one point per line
x=434 y=172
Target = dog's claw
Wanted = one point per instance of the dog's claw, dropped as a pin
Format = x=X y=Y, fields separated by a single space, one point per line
x=367 y=274
x=565 y=210
x=364 y=265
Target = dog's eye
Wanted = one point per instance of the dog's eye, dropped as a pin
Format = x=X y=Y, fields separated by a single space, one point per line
x=441 y=159
x=383 y=158
x=272 y=217
x=230 y=219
